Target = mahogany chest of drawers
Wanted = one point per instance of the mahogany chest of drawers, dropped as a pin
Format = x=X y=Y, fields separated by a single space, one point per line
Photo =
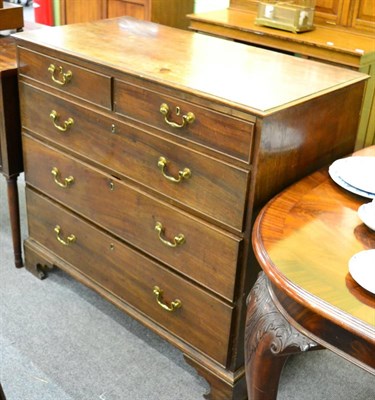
x=147 y=157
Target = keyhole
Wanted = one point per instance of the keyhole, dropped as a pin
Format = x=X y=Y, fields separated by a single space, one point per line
x=113 y=128
x=111 y=186
x=178 y=110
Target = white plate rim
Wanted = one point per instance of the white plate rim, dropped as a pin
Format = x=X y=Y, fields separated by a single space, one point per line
x=356 y=269
x=363 y=213
x=332 y=170
x=341 y=167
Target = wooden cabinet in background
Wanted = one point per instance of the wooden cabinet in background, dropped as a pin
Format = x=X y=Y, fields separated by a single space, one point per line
x=363 y=15
x=11 y=16
x=73 y=11
x=358 y=14
x=165 y=12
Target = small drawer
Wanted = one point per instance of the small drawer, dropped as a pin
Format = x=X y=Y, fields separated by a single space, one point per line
x=196 y=249
x=69 y=78
x=211 y=187
x=196 y=317
x=188 y=121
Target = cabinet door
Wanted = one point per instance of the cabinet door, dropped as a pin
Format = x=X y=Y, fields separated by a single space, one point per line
x=135 y=8
x=363 y=15
x=73 y=11
x=359 y=14
x=333 y=12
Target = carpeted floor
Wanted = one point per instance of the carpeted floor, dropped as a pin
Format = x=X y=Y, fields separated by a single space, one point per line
x=61 y=341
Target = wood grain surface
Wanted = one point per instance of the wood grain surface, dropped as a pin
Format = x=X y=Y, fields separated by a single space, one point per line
x=304 y=239
x=267 y=81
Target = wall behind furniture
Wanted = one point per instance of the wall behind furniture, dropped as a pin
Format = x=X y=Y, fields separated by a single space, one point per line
x=209 y=5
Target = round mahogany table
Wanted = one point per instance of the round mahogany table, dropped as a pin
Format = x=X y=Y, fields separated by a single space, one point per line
x=305 y=297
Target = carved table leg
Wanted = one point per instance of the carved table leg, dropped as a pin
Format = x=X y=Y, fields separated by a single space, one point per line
x=269 y=340
x=14 y=215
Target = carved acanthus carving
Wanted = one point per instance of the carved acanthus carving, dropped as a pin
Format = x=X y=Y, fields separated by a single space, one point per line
x=264 y=322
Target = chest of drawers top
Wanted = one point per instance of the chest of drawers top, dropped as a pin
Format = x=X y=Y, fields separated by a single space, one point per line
x=242 y=77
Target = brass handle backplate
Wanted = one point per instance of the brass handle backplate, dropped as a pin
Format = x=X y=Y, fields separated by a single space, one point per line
x=188 y=118
x=66 y=242
x=184 y=174
x=62 y=77
x=62 y=183
x=177 y=240
x=174 y=305
x=65 y=126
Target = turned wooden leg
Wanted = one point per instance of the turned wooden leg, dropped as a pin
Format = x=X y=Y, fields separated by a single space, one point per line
x=14 y=214
x=2 y=395
x=269 y=340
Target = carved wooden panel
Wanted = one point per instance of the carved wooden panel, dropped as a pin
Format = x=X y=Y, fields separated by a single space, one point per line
x=332 y=11
x=363 y=15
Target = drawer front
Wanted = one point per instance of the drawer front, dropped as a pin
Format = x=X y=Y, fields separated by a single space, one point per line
x=72 y=79
x=202 y=320
x=213 y=188
x=207 y=255
x=209 y=128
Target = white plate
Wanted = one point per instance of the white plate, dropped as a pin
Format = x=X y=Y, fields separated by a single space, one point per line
x=362 y=269
x=358 y=172
x=334 y=172
x=366 y=213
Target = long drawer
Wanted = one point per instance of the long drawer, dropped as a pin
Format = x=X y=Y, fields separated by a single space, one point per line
x=213 y=188
x=210 y=128
x=207 y=255
x=132 y=277
x=69 y=78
